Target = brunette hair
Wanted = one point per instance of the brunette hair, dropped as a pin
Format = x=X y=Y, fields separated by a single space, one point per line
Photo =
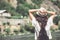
x=43 y=20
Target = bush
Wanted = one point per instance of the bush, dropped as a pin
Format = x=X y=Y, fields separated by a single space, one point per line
x=56 y=2
x=7 y=23
x=56 y=20
x=6 y=6
x=15 y=17
x=21 y=1
x=7 y=30
x=38 y=2
x=23 y=8
x=4 y=23
x=29 y=28
x=22 y=29
x=16 y=31
x=30 y=6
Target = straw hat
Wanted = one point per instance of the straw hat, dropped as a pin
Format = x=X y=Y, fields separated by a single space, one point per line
x=42 y=9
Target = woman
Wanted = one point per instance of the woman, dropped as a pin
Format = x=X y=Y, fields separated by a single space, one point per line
x=40 y=21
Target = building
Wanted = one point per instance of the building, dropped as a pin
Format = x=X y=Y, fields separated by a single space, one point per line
x=4 y=14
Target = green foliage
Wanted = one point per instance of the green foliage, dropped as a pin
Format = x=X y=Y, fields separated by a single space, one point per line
x=30 y=6
x=16 y=31
x=29 y=27
x=8 y=7
x=21 y=1
x=38 y=2
x=7 y=23
x=7 y=30
x=4 y=23
x=56 y=2
x=21 y=29
x=23 y=8
x=56 y=20
x=16 y=17
x=59 y=26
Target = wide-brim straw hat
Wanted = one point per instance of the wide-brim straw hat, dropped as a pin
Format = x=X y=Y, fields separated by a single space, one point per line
x=42 y=9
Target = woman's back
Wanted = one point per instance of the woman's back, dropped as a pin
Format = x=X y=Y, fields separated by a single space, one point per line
x=43 y=21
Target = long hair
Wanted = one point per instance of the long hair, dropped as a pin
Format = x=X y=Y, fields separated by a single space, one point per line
x=43 y=20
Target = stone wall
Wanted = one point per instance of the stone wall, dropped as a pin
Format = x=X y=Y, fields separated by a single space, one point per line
x=14 y=21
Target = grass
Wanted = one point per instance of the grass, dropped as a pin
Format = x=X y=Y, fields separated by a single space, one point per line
x=56 y=36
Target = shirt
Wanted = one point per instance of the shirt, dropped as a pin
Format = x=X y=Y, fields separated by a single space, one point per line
x=47 y=28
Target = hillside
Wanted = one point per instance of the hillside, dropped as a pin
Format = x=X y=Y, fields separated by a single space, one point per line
x=50 y=6
x=19 y=8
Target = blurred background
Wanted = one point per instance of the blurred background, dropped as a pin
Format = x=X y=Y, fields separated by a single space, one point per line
x=14 y=18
